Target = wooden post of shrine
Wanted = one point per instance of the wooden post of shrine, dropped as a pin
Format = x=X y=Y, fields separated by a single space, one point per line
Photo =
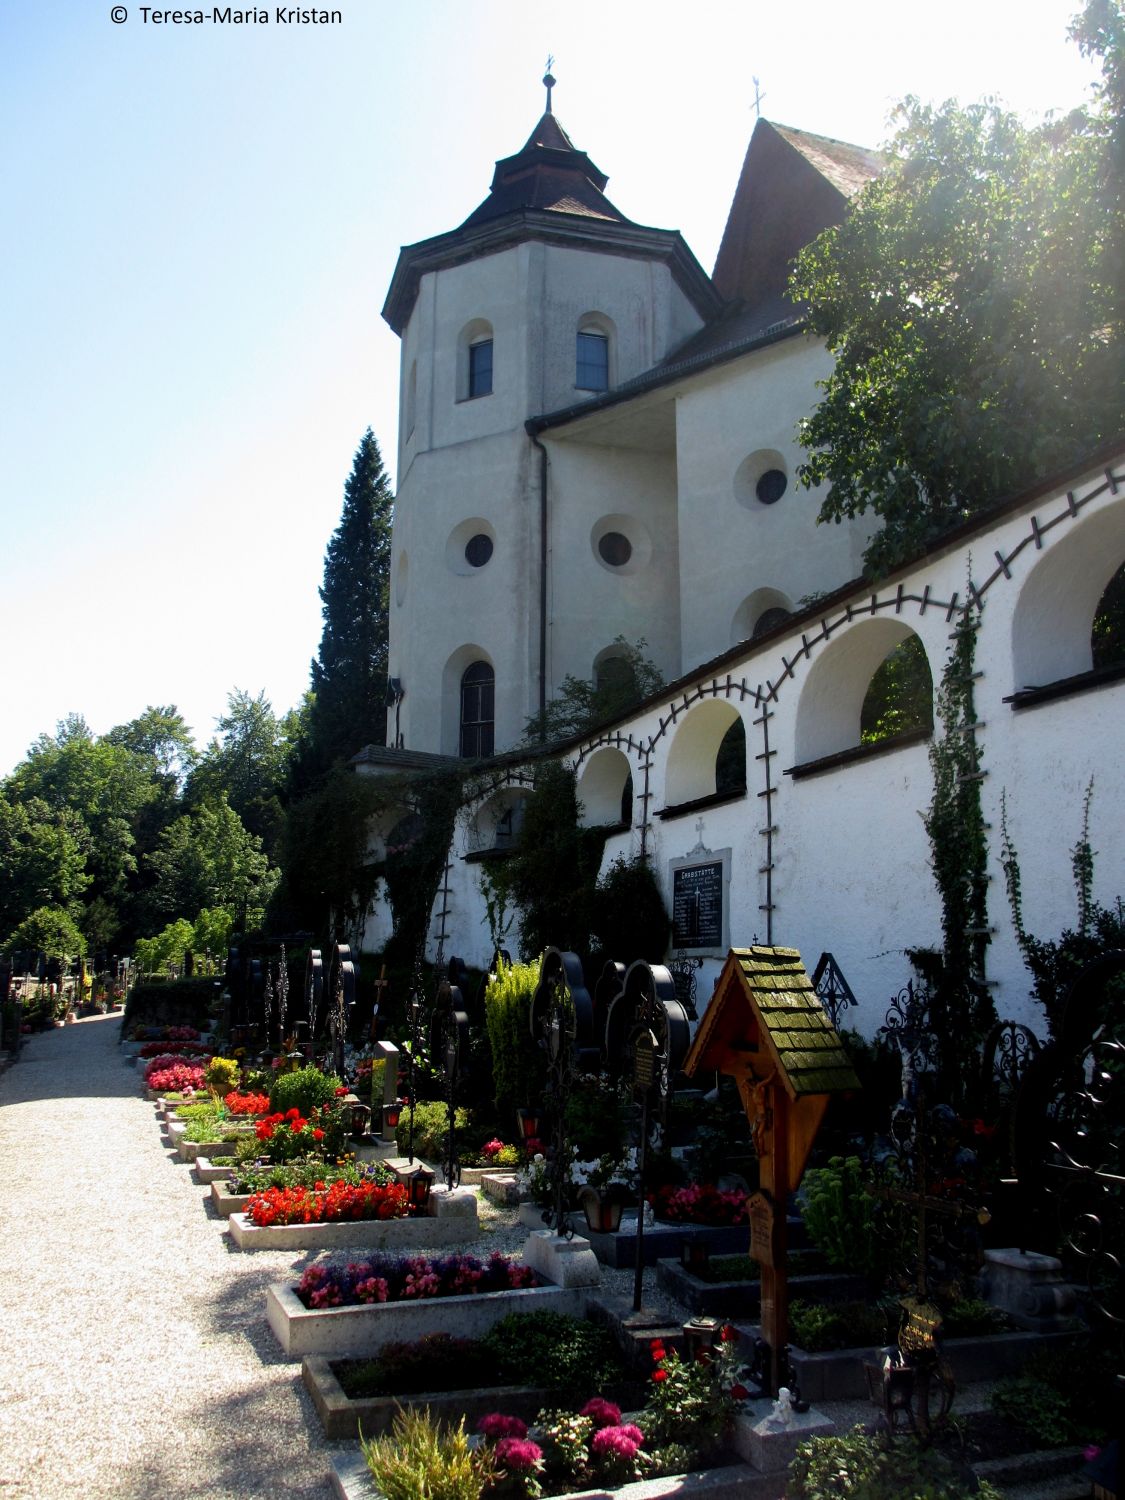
x=379 y=986
x=767 y=1029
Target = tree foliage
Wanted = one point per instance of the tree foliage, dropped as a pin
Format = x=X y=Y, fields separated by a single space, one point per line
x=973 y=301
x=209 y=859
x=349 y=675
x=247 y=761
x=49 y=930
x=624 y=678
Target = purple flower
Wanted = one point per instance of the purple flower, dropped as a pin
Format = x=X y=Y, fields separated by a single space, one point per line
x=518 y=1455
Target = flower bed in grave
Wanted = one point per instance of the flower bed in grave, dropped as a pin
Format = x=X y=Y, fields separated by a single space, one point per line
x=450 y=1219
x=369 y=1316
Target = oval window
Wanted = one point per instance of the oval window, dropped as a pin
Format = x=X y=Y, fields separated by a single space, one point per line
x=771 y=486
x=615 y=549
x=478 y=550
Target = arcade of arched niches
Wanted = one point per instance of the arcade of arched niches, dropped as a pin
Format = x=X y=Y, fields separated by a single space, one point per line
x=777 y=802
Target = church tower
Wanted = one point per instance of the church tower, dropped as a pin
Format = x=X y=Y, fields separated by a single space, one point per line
x=545 y=298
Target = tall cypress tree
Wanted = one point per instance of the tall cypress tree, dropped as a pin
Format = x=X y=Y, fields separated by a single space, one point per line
x=349 y=674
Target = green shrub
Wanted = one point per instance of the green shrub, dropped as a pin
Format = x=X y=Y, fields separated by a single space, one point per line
x=844 y=1222
x=431 y=1128
x=972 y=1316
x=861 y=1467
x=518 y=1068
x=1032 y=1404
x=305 y=1089
x=628 y=917
x=552 y=1349
x=436 y=1362
x=819 y=1326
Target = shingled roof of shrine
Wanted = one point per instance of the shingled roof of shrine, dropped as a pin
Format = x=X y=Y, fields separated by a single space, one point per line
x=780 y=994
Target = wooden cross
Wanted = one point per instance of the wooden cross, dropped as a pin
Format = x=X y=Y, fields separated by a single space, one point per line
x=379 y=986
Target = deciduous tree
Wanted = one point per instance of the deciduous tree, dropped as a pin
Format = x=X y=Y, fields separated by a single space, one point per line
x=973 y=301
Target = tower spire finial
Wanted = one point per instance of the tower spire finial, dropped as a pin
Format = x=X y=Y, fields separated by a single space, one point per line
x=548 y=81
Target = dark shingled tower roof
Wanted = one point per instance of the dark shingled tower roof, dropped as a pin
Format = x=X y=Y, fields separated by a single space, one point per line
x=549 y=173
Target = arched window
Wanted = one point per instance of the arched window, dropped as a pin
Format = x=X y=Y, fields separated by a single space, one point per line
x=1107 y=637
x=593 y=352
x=730 y=762
x=478 y=711
x=474 y=360
x=900 y=695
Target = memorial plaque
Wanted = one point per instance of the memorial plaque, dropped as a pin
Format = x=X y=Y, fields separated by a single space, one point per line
x=697 y=905
x=644 y=1061
x=761 y=1229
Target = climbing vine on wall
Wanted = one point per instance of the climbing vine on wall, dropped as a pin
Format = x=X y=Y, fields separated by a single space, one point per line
x=1054 y=964
x=417 y=851
x=961 y=1006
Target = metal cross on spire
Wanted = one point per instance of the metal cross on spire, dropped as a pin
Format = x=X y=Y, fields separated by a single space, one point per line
x=758 y=97
x=548 y=81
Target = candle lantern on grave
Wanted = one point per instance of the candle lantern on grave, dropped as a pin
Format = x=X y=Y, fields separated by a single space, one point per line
x=449 y=1049
x=767 y=1029
x=562 y=1025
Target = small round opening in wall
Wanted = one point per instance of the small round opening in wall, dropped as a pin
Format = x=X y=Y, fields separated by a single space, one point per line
x=615 y=549
x=478 y=550
x=771 y=486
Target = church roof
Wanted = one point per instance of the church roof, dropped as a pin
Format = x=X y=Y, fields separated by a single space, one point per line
x=549 y=173
x=792 y=186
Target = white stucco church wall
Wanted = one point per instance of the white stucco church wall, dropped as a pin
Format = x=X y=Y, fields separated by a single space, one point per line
x=851 y=866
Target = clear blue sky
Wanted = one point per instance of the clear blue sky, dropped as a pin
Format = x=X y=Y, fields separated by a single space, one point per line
x=202 y=222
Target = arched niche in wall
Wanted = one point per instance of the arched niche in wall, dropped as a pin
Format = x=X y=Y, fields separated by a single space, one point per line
x=830 y=707
x=694 y=751
x=452 y=675
x=760 y=611
x=603 y=782
x=1054 y=614
x=496 y=823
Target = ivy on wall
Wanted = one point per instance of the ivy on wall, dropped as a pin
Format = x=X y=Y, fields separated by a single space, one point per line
x=961 y=1006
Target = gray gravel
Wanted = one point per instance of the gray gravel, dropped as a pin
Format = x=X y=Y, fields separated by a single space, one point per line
x=135 y=1359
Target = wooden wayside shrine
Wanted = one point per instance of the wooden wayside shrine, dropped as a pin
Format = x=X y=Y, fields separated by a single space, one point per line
x=767 y=1029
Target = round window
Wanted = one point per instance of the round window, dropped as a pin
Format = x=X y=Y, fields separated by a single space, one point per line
x=615 y=549
x=771 y=486
x=478 y=550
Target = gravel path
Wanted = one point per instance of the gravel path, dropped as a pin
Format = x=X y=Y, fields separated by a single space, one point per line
x=135 y=1359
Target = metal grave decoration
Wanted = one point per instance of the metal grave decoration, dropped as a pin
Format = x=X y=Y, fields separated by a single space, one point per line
x=929 y=1173
x=767 y=1028
x=314 y=994
x=562 y=1017
x=449 y=1051
x=650 y=1018
x=834 y=990
x=342 y=990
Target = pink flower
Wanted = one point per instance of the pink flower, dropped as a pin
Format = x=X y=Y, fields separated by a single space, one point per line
x=498 y=1424
x=1090 y=1453
x=601 y=1412
x=615 y=1442
x=518 y=1455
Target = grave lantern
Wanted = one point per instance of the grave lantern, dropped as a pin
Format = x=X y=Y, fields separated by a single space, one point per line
x=695 y=1255
x=603 y=1209
x=767 y=1028
x=418 y=1184
x=701 y=1334
x=392 y=1113
x=527 y=1123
